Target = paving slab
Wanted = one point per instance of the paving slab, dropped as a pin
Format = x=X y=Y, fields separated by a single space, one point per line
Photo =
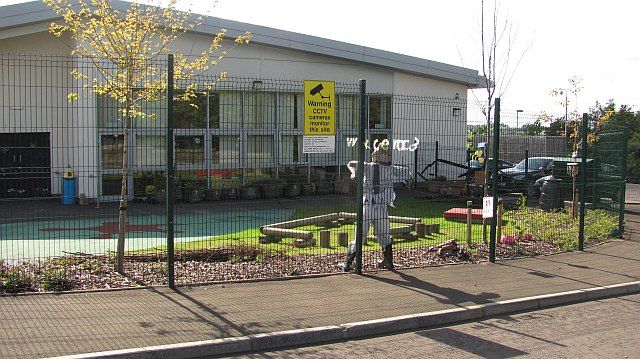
x=63 y=324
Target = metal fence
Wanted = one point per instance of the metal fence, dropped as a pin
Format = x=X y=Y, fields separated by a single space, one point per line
x=218 y=188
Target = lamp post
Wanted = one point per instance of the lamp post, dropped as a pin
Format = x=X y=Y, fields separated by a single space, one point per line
x=517 y=120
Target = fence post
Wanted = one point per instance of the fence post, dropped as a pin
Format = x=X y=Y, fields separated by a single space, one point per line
x=415 y=168
x=437 y=154
x=360 y=175
x=526 y=171
x=170 y=174
x=623 y=179
x=583 y=182
x=469 y=223
x=494 y=180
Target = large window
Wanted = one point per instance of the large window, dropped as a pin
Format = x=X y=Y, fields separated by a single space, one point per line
x=230 y=110
x=291 y=111
x=151 y=150
x=225 y=150
x=191 y=113
x=229 y=137
x=111 y=150
x=348 y=112
x=379 y=112
x=260 y=150
x=290 y=149
x=259 y=110
x=189 y=150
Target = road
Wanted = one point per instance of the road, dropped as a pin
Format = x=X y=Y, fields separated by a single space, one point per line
x=607 y=328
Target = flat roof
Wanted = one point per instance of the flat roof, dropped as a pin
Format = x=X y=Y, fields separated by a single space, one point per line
x=35 y=12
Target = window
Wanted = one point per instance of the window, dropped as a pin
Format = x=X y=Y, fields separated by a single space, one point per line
x=290 y=149
x=291 y=115
x=348 y=112
x=108 y=112
x=225 y=150
x=379 y=112
x=189 y=150
x=214 y=110
x=260 y=150
x=230 y=110
x=151 y=151
x=191 y=113
x=259 y=110
x=111 y=184
x=111 y=150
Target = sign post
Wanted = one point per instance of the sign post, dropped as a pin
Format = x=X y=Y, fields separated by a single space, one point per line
x=319 y=117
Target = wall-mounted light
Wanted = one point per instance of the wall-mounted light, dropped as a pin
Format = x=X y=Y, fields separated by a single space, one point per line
x=456 y=111
x=457 y=96
x=257 y=85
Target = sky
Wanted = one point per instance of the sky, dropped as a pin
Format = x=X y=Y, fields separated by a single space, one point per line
x=553 y=40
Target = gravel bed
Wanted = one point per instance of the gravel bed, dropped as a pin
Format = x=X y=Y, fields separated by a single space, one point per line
x=230 y=264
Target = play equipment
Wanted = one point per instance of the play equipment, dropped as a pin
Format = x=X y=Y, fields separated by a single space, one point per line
x=412 y=228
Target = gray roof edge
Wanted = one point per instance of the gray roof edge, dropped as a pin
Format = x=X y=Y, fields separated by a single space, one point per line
x=37 y=12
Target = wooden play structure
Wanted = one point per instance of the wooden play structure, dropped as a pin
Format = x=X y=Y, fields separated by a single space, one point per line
x=411 y=228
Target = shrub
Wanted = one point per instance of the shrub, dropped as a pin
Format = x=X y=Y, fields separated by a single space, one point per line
x=56 y=280
x=14 y=280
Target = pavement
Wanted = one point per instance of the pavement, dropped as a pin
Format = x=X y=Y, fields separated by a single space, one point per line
x=204 y=321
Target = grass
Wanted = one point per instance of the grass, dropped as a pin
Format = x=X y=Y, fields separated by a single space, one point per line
x=557 y=227
x=430 y=212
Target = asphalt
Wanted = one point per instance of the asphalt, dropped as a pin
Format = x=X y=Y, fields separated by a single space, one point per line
x=232 y=318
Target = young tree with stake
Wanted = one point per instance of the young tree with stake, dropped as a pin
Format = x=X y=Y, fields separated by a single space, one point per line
x=124 y=46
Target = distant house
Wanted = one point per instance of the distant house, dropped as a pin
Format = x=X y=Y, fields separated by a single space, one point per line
x=251 y=125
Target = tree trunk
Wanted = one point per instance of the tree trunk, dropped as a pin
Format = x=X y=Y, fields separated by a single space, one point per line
x=122 y=214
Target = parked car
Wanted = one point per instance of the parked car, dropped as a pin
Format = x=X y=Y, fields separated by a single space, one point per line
x=515 y=179
x=475 y=166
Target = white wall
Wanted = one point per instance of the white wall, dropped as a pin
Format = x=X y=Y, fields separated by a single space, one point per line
x=40 y=87
x=34 y=93
x=430 y=121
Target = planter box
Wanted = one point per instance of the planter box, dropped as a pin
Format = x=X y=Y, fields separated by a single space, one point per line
x=308 y=189
x=292 y=190
x=229 y=194
x=324 y=187
x=250 y=192
x=211 y=195
x=271 y=191
x=343 y=187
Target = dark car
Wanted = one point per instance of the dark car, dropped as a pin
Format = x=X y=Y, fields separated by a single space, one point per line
x=515 y=179
x=475 y=166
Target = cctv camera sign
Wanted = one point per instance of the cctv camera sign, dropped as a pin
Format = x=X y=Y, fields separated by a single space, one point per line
x=319 y=117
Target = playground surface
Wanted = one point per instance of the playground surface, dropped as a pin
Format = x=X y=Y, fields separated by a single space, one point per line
x=49 y=238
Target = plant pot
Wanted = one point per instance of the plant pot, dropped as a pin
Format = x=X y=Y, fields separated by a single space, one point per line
x=194 y=195
x=343 y=187
x=250 y=192
x=308 y=189
x=292 y=190
x=324 y=188
x=211 y=195
x=272 y=190
x=229 y=194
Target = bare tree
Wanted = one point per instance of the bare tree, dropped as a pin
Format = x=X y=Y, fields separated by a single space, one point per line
x=497 y=39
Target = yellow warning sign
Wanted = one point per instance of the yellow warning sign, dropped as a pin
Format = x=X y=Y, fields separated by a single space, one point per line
x=319 y=108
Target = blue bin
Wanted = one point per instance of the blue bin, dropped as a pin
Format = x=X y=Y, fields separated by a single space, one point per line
x=68 y=190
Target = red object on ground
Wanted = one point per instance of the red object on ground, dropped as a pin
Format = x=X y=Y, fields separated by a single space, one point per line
x=460 y=215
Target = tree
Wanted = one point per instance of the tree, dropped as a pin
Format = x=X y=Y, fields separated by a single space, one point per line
x=572 y=118
x=605 y=117
x=125 y=47
x=497 y=38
